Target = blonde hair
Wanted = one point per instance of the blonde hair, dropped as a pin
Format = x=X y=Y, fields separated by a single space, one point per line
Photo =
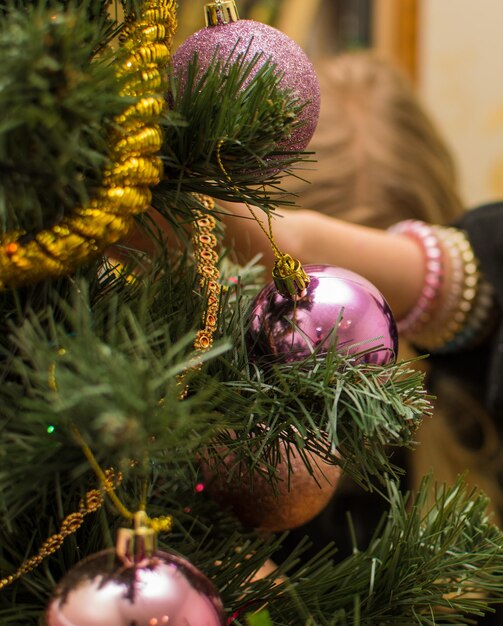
x=379 y=157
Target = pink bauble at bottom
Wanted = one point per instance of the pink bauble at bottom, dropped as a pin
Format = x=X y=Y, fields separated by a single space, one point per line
x=160 y=590
x=341 y=309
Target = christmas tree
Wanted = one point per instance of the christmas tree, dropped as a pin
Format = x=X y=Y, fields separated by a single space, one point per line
x=159 y=432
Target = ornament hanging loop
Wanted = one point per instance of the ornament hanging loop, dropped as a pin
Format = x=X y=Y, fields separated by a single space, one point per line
x=135 y=545
x=289 y=277
x=220 y=12
x=288 y=274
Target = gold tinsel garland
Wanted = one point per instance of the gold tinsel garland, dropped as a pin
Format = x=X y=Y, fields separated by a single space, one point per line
x=135 y=166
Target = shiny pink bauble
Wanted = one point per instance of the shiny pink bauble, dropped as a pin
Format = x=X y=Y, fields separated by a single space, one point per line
x=340 y=310
x=246 y=38
x=160 y=590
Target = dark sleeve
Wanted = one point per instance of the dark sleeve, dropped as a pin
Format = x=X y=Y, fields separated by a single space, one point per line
x=484 y=228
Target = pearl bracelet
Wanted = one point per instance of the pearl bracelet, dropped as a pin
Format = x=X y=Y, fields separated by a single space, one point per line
x=433 y=253
x=464 y=277
x=464 y=315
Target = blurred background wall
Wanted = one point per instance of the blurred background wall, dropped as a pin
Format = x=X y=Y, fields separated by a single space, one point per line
x=451 y=50
x=460 y=61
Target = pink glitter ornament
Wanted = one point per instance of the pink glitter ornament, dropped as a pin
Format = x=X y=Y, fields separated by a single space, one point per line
x=340 y=307
x=246 y=38
x=155 y=590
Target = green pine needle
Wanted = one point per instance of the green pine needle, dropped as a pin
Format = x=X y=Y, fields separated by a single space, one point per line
x=56 y=108
x=223 y=128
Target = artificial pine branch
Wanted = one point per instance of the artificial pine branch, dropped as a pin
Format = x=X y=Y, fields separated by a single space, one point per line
x=431 y=562
x=222 y=125
x=57 y=103
x=111 y=375
x=320 y=404
x=110 y=366
x=103 y=351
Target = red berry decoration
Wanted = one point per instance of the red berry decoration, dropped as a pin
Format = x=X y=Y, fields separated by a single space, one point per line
x=340 y=308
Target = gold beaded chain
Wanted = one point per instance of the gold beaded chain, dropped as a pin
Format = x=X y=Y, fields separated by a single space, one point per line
x=90 y=503
x=204 y=242
x=133 y=149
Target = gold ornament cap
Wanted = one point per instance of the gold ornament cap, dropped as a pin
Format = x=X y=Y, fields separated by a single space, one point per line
x=135 y=545
x=289 y=277
x=220 y=13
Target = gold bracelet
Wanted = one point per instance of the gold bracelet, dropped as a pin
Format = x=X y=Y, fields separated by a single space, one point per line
x=480 y=322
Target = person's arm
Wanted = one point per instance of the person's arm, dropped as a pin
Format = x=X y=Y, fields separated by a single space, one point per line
x=393 y=263
x=428 y=274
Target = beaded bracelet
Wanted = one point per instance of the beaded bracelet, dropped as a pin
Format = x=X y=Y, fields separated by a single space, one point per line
x=464 y=278
x=441 y=330
x=465 y=314
x=433 y=253
x=472 y=318
x=479 y=323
